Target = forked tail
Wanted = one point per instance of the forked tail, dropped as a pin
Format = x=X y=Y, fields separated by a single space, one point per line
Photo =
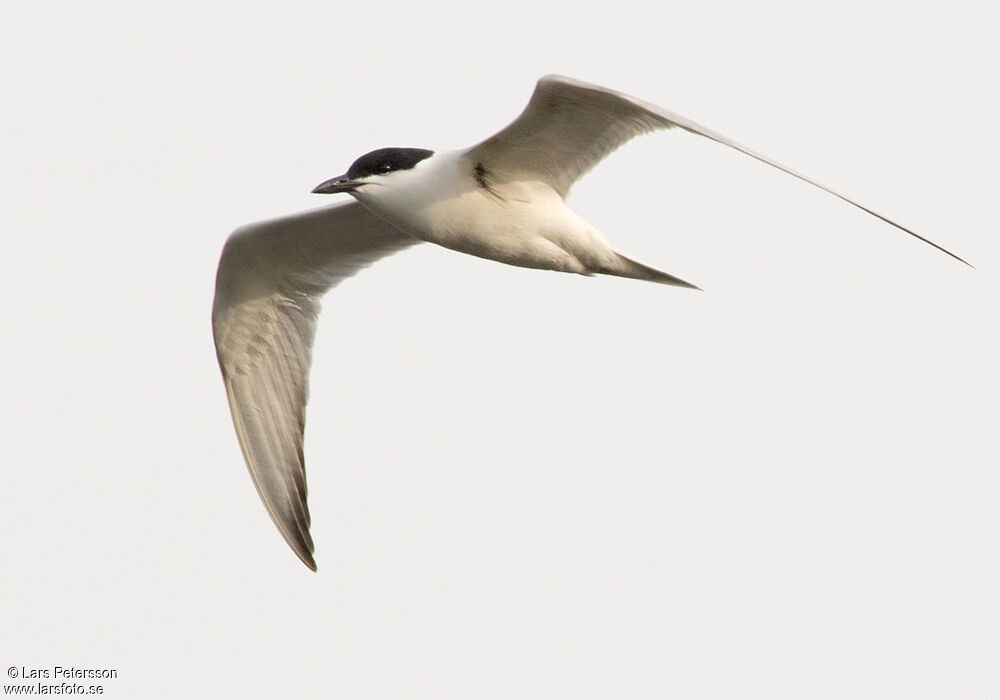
x=627 y=267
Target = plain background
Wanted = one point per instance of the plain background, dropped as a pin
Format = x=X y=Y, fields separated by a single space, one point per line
x=523 y=484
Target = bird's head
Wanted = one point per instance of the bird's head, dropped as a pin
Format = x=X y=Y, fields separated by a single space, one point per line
x=372 y=167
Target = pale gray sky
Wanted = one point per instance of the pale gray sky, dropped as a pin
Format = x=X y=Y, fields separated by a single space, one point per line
x=523 y=484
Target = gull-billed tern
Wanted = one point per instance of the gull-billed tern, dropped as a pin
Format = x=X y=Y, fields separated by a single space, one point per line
x=502 y=199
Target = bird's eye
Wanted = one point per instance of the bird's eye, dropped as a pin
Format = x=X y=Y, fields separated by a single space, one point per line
x=386 y=168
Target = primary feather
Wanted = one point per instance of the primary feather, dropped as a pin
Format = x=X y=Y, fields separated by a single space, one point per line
x=267 y=298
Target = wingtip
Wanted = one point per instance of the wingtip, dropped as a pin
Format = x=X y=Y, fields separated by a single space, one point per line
x=926 y=240
x=308 y=560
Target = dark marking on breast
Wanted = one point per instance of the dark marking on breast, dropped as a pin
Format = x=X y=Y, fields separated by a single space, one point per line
x=480 y=173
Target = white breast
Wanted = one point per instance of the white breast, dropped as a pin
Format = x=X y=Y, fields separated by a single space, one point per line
x=519 y=223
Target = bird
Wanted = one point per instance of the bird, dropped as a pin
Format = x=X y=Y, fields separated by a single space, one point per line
x=502 y=199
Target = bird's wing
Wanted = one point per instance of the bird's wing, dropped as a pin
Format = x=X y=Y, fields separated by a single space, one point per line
x=569 y=126
x=267 y=298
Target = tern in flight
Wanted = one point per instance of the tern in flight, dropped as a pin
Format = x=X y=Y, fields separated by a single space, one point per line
x=502 y=199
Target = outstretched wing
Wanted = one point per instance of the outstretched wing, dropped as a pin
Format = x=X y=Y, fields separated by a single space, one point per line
x=271 y=277
x=569 y=126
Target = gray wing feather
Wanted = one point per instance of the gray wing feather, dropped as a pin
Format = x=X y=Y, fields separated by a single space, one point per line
x=267 y=298
x=569 y=126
